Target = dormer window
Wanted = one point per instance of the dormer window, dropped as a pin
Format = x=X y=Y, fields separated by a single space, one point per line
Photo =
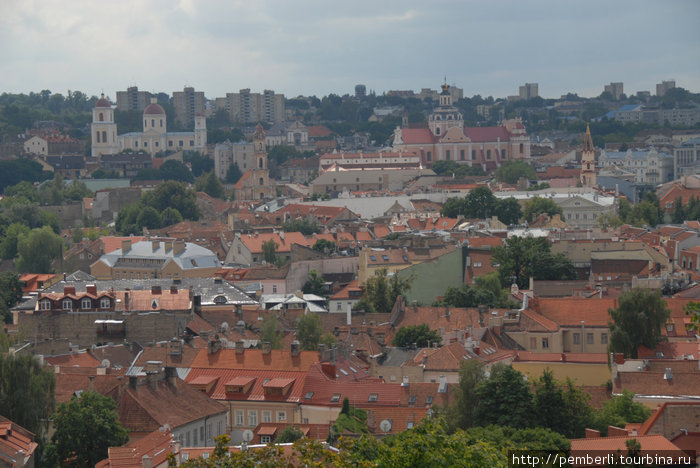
x=105 y=303
x=67 y=304
x=85 y=303
x=45 y=304
x=220 y=300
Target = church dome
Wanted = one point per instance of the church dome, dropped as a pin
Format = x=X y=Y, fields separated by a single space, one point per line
x=102 y=102
x=153 y=108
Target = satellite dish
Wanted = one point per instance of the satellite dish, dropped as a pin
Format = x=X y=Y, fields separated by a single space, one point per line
x=247 y=435
x=385 y=426
x=105 y=363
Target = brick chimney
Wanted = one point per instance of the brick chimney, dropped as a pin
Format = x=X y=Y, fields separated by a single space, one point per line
x=592 y=434
x=156 y=290
x=91 y=289
x=178 y=247
x=240 y=347
x=126 y=245
x=68 y=290
x=155 y=245
x=266 y=347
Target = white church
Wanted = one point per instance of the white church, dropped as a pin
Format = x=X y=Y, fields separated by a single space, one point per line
x=154 y=138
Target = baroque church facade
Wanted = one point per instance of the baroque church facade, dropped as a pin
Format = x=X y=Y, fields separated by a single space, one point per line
x=255 y=184
x=447 y=139
x=154 y=138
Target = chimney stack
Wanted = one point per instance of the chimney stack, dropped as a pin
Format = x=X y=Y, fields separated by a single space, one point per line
x=266 y=347
x=296 y=348
x=178 y=247
x=126 y=245
x=171 y=375
x=91 y=289
x=240 y=346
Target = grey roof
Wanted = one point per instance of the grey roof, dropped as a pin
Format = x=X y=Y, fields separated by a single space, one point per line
x=397 y=356
x=634 y=154
x=194 y=256
x=207 y=288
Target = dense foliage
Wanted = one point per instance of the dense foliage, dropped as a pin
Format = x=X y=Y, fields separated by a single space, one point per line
x=637 y=321
x=381 y=290
x=522 y=258
x=416 y=335
x=481 y=203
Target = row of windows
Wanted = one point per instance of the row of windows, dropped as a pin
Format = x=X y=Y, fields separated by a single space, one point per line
x=157 y=144
x=137 y=275
x=253 y=417
x=590 y=338
x=67 y=304
x=585 y=216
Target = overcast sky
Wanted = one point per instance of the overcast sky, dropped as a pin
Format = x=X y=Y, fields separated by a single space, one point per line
x=317 y=47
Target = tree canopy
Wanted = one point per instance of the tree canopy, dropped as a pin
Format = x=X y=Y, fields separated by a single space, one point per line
x=210 y=184
x=381 y=290
x=510 y=171
x=638 y=319
x=480 y=203
x=537 y=205
x=522 y=258
x=38 y=249
x=314 y=284
x=309 y=331
x=416 y=335
x=86 y=427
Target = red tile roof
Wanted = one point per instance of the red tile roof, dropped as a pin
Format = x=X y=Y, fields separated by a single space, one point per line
x=157 y=445
x=80 y=359
x=257 y=390
x=321 y=389
x=256 y=359
x=570 y=311
x=112 y=243
x=254 y=242
x=653 y=443
x=13 y=439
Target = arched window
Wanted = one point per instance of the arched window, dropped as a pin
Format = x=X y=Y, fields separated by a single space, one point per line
x=220 y=300
x=67 y=304
x=262 y=182
x=153 y=122
x=437 y=130
x=521 y=148
x=102 y=117
x=85 y=303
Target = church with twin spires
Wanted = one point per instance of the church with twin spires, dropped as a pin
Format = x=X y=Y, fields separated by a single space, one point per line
x=447 y=139
x=154 y=138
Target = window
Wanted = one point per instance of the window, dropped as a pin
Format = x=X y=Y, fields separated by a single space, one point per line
x=461 y=155
x=98 y=136
x=102 y=117
x=477 y=264
x=409 y=425
x=266 y=416
x=252 y=418
x=191 y=142
x=430 y=156
x=604 y=338
x=153 y=122
x=308 y=395
x=262 y=182
x=201 y=434
x=274 y=289
x=161 y=123
x=67 y=304
x=522 y=147
x=194 y=437
x=45 y=305
x=266 y=439
x=179 y=143
x=170 y=143
x=429 y=400
x=503 y=154
x=412 y=400
x=340 y=306
x=335 y=398
x=577 y=338
x=281 y=416
x=373 y=397
x=488 y=154
x=85 y=303
x=589 y=338
x=239 y=417
x=104 y=136
x=545 y=343
x=473 y=155
x=447 y=155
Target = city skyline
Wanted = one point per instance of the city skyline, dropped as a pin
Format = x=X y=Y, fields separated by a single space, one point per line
x=313 y=48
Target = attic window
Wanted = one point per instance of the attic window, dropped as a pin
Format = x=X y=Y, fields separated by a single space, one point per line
x=373 y=397
x=385 y=257
x=373 y=258
x=220 y=300
x=429 y=400
x=343 y=371
x=405 y=258
x=309 y=395
x=335 y=398
x=412 y=400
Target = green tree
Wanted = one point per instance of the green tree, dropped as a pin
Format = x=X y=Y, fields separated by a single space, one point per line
x=618 y=411
x=149 y=218
x=508 y=211
x=8 y=244
x=468 y=296
x=23 y=189
x=309 y=331
x=381 y=291
x=549 y=404
x=322 y=244
x=480 y=203
x=10 y=294
x=172 y=194
x=314 y=284
x=463 y=412
x=270 y=331
x=693 y=310
x=86 y=427
x=537 y=205
x=511 y=171
x=177 y=171
x=504 y=399
x=233 y=174
x=38 y=250
x=521 y=258
x=305 y=226
x=418 y=335
x=210 y=184
x=200 y=163
x=170 y=216
x=638 y=319
x=26 y=391
x=269 y=250
x=289 y=434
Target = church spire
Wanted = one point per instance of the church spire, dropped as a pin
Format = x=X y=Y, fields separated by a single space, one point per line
x=588 y=139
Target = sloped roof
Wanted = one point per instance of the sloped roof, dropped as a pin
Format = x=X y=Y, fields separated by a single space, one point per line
x=157 y=445
x=570 y=311
x=255 y=359
x=322 y=388
x=16 y=440
x=284 y=241
x=257 y=391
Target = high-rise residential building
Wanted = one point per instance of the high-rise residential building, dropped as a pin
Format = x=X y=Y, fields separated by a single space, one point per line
x=247 y=107
x=663 y=87
x=187 y=103
x=529 y=91
x=360 y=91
x=615 y=90
x=133 y=99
